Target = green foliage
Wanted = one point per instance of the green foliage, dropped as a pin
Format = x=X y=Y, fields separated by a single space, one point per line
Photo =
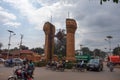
x=98 y=52
x=1 y=45
x=69 y=65
x=60 y=44
x=95 y=52
x=38 y=50
x=23 y=47
x=40 y=64
x=85 y=50
x=114 y=1
x=116 y=51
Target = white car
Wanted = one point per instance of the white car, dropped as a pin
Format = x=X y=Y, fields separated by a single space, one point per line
x=17 y=61
x=2 y=60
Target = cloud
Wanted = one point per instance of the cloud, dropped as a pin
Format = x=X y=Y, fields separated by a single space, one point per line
x=94 y=21
x=12 y=24
x=7 y=18
x=38 y=16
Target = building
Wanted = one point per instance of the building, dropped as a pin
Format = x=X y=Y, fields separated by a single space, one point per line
x=30 y=55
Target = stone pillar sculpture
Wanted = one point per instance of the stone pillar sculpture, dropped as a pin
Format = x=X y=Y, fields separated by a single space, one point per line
x=71 y=27
x=49 y=30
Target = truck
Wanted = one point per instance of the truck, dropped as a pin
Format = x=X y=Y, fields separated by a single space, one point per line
x=114 y=59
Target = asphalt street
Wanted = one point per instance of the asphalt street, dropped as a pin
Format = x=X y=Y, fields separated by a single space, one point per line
x=44 y=74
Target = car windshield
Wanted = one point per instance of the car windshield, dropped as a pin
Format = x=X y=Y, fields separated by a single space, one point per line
x=94 y=61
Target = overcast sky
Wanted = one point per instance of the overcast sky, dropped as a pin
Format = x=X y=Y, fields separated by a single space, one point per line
x=27 y=17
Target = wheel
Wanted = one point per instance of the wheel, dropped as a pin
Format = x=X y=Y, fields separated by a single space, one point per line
x=88 y=69
x=99 y=69
x=111 y=69
x=12 y=78
x=82 y=70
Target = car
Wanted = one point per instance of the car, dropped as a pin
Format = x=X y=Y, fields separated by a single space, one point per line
x=14 y=62
x=8 y=63
x=2 y=60
x=95 y=64
x=17 y=61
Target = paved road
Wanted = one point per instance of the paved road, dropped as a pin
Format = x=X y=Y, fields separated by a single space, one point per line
x=43 y=74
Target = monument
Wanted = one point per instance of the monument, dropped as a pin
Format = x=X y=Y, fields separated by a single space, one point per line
x=49 y=30
x=71 y=27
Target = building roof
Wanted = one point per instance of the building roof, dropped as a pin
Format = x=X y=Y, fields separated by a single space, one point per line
x=16 y=52
x=26 y=51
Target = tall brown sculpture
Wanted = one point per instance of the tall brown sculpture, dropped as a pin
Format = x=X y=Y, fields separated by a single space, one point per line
x=49 y=30
x=71 y=27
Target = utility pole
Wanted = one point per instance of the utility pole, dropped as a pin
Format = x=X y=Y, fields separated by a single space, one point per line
x=109 y=41
x=68 y=14
x=11 y=33
x=20 y=44
x=118 y=50
x=81 y=53
x=51 y=19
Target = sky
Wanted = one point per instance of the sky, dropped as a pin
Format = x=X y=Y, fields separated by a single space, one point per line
x=27 y=17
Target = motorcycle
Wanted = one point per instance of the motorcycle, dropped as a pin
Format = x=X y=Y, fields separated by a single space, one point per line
x=111 y=68
x=18 y=75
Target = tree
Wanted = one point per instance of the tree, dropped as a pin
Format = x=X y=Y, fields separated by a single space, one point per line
x=15 y=48
x=103 y=54
x=86 y=50
x=99 y=53
x=60 y=43
x=1 y=45
x=116 y=51
x=38 y=50
x=114 y=1
x=23 y=47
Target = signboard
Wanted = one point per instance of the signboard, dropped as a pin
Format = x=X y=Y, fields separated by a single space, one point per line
x=82 y=57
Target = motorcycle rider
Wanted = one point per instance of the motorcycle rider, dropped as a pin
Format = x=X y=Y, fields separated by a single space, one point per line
x=111 y=66
x=82 y=63
x=30 y=68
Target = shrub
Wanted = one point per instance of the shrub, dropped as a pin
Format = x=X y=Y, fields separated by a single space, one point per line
x=69 y=65
x=40 y=64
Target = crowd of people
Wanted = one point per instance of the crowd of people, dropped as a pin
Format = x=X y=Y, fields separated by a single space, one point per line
x=61 y=65
x=56 y=65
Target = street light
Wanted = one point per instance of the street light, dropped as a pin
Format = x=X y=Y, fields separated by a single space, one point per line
x=106 y=51
x=11 y=33
x=109 y=41
x=20 y=44
x=81 y=49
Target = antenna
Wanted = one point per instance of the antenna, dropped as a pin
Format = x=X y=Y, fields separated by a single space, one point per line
x=68 y=14
x=51 y=19
x=21 y=39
